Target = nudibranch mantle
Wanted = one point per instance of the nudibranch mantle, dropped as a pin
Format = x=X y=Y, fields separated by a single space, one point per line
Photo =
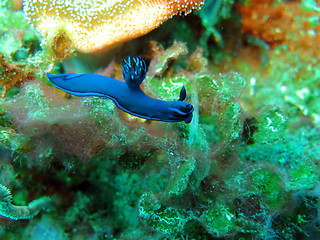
x=127 y=95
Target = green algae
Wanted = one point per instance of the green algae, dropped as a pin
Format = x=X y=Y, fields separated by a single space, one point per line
x=159 y=217
x=181 y=177
x=270 y=126
x=268 y=185
x=219 y=220
x=169 y=88
x=303 y=177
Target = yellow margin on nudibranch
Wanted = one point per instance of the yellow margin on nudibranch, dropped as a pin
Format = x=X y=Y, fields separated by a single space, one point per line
x=93 y=25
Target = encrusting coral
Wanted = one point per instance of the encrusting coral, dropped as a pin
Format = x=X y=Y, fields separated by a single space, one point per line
x=95 y=25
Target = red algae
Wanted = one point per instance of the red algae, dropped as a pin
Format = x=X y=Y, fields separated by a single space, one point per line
x=266 y=20
x=283 y=23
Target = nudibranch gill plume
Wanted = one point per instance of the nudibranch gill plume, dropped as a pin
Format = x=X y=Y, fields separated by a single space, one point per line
x=127 y=95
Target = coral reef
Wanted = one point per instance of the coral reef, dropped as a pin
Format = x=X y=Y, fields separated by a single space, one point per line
x=245 y=167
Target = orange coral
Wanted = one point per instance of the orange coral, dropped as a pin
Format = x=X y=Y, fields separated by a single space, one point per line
x=95 y=25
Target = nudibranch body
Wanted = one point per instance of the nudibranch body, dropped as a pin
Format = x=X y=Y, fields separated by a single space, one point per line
x=127 y=95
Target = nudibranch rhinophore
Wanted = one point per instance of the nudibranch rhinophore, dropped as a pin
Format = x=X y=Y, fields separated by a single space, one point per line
x=127 y=95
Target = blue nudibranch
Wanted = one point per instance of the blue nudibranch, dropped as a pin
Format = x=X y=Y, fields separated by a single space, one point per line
x=127 y=96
